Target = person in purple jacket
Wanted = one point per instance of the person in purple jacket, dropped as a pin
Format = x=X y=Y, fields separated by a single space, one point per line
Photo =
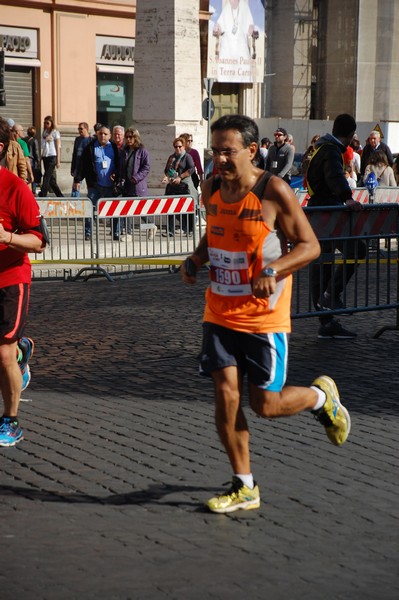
x=135 y=167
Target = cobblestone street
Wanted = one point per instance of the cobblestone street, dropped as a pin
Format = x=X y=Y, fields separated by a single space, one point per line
x=104 y=497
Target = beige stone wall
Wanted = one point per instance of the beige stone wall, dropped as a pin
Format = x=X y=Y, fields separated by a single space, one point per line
x=378 y=61
x=168 y=86
x=336 y=82
x=289 y=44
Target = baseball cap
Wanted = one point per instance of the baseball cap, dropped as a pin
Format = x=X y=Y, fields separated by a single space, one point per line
x=281 y=130
x=10 y=122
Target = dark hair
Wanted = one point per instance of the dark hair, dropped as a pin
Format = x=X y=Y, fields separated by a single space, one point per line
x=4 y=136
x=344 y=125
x=244 y=125
x=265 y=140
x=378 y=157
x=50 y=118
x=31 y=131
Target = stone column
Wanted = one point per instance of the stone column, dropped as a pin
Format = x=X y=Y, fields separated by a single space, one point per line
x=167 y=79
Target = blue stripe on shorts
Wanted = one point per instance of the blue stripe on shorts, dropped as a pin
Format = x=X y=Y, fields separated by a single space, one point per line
x=279 y=356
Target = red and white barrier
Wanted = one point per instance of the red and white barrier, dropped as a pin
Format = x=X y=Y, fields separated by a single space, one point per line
x=386 y=195
x=381 y=195
x=125 y=207
x=361 y=195
x=303 y=197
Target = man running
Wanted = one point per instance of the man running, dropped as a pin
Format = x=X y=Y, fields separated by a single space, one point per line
x=251 y=217
x=20 y=233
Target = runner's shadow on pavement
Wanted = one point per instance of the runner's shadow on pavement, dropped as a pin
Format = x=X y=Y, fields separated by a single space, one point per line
x=154 y=494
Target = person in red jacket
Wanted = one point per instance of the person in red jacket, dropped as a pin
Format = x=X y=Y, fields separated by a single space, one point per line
x=21 y=231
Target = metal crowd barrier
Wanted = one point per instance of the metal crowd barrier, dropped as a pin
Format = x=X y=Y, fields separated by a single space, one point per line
x=154 y=226
x=382 y=195
x=66 y=222
x=144 y=241
x=366 y=241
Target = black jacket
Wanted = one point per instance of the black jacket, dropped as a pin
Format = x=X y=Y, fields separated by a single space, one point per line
x=327 y=184
x=87 y=168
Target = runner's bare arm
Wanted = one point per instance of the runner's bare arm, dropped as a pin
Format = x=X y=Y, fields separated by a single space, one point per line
x=27 y=242
x=281 y=209
x=200 y=254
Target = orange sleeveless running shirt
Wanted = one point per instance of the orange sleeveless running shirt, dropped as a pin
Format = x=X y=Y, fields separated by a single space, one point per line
x=240 y=244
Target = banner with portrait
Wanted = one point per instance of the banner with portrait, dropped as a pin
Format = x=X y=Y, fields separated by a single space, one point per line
x=236 y=41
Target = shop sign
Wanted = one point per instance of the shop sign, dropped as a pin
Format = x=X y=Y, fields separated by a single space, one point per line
x=18 y=42
x=115 y=51
x=112 y=93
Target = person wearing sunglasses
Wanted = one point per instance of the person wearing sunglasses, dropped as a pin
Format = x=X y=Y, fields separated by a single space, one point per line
x=198 y=175
x=280 y=157
x=135 y=168
x=178 y=171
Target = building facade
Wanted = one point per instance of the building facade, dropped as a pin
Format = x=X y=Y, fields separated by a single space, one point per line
x=70 y=59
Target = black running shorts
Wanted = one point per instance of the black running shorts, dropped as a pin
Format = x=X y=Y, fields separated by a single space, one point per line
x=14 y=302
x=262 y=356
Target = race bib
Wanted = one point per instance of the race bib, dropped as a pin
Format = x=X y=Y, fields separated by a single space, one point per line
x=229 y=273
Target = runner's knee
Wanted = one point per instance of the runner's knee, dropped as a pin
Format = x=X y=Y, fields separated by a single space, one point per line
x=8 y=353
x=265 y=403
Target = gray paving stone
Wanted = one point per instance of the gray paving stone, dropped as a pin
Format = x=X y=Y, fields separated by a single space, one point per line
x=104 y=497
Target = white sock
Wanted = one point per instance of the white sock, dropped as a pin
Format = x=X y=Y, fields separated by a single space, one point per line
x=247 y=480
x=321 y=397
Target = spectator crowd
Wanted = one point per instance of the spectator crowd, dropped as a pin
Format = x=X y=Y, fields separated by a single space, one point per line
x=116 y=163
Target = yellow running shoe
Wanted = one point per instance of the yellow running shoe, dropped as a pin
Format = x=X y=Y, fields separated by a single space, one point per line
x=238 y=496
x=332 y=415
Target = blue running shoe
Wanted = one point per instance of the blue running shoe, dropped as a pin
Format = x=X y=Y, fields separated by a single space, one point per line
x=10 y=432
x=27 y=346
x=26 y=377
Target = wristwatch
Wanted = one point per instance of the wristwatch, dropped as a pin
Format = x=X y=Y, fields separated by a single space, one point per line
x=269 y=272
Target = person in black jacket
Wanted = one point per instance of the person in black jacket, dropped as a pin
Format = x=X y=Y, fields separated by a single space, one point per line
x=328 y=186
x=100 y=167
x=79 y=145
x=34 y=150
